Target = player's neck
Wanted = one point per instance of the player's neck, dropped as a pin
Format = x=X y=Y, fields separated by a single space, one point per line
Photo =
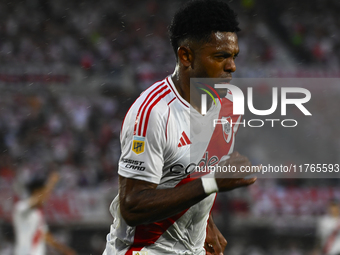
x=182 y=84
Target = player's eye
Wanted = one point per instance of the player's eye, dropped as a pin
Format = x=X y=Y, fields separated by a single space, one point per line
x=219 y=56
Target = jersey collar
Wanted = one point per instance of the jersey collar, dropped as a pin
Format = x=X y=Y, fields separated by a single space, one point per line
x=174 y=90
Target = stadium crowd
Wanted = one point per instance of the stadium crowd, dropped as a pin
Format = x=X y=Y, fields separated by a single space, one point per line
x=77 y=136
x=108 y=36
x=313 y=27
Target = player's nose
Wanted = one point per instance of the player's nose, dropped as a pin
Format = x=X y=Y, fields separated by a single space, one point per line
x=230 y=66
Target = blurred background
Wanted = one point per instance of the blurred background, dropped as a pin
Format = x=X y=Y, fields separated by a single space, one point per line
x=70 y=70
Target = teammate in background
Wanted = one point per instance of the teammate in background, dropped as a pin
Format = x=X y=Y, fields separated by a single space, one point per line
x=160 y=209
x=328 y=230
x=30 y=228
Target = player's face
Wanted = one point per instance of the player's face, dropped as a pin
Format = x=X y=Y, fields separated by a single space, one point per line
x=216 y=59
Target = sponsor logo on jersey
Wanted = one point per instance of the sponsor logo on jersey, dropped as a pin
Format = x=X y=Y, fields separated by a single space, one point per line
x=139 y=253
x=227 y=129
x=138 y=144
x=204 y=163
x=134 y=164
x=184 y=140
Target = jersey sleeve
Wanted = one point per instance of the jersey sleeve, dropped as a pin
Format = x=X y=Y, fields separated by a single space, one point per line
x=142 y=156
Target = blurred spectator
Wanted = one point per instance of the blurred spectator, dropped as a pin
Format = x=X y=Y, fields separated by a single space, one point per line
x=29 y=223
x=328 y=230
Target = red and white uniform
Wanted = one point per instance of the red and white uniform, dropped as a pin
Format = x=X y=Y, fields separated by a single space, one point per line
x=30 y=229
x=328 y=231
x=161 y=138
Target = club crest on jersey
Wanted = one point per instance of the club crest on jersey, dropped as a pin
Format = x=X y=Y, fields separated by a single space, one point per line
x=139 y=253
x=227 y=129
x=138 y=144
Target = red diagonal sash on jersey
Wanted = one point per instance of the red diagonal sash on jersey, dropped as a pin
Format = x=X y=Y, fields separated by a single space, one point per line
x=39 y=234
x=330 y=239
x=218 y=146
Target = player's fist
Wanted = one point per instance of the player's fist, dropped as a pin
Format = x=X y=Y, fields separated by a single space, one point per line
x=232 y=173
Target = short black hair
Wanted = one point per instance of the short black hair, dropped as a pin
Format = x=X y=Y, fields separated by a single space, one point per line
x=198 y=19
x=35 y=184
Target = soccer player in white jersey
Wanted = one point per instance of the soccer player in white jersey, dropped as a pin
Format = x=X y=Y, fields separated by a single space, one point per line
x=328 y=230
x=161 y=208
x=29 y=224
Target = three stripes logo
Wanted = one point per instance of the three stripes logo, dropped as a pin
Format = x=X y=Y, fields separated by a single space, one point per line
x=184 y=140
x=144 y=111
x=143 y=116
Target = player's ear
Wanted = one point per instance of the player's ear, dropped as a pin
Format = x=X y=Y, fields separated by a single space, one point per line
x=185 y=55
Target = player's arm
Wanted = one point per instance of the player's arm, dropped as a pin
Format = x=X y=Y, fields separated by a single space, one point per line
x=46 y=191
x=142 y=203
x=63 y=249
x=215 y=242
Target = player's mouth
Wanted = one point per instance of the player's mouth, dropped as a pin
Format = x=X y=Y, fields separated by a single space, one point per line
x=226 y=79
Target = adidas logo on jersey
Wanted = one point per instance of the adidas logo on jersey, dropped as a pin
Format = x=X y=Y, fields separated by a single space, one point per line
x=184 y=140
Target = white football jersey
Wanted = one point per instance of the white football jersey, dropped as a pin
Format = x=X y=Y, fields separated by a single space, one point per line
x=162 y=142
x=328 y=230
x=30 y=229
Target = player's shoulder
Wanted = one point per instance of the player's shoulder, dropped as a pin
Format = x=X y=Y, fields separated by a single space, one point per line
x=22 y=205
x=151 y=108
x=154 y=100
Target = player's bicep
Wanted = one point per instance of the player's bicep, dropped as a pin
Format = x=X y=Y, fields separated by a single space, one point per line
x=129 y=188
x=129 y=194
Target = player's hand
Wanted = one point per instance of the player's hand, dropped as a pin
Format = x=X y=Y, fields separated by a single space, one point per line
x=214 y=243
x=232 y=180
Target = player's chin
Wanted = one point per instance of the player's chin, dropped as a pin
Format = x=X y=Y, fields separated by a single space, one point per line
x=222 y=92
x=225 y=80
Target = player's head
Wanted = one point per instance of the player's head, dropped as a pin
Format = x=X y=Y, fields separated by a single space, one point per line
x=203 y=36
x=35 y=185
x=197 y=20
